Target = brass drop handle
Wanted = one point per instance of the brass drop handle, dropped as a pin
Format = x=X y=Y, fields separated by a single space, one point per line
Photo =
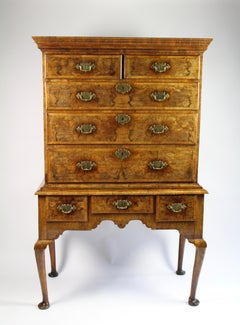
x=160 y=67
x=123 y=119
x=158 y=128
x=122 y=204
x=86 y=128
x=67 y=208
x=86 y=165
x=157 y=164
x=86 y=96
x=159 y=96
x=85 y=66
x=177 y=207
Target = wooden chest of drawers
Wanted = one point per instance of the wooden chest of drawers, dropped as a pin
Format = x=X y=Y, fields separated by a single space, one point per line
x=121 y=121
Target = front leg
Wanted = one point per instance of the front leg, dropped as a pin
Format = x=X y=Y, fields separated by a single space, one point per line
x=39 y=248
x=182 y=240
x=200 y=245
x=52 y=252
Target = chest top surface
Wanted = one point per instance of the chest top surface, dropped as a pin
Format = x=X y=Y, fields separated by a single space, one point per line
x=197 y=45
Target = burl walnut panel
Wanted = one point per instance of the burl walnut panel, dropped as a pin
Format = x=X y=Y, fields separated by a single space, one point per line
x=65 y=95
x=182 y=67
x=69 y=66
x=178 y=164
x=122 y=127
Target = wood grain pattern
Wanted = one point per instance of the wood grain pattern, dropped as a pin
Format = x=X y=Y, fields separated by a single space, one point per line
x=140 y=188
x=105 y=204
x=64 y=66
x=165 y=214
x=185 y=46
x=101 y=167
x=62 y=128
x=181 y=160
x=63 y=94
x=186 y=67
x=79 y=202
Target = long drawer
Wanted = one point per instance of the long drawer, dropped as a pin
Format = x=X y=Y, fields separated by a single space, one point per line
x=128 y=94
x=122 y=127
x=117 y=163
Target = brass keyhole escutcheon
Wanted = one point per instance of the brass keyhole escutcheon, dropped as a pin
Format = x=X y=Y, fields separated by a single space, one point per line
x=123 y=119
x=123 y=88
x=122 y=154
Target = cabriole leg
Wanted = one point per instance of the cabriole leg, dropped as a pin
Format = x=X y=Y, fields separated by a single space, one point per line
x=52 y=252
x=39 y=248
x=200 y=245
x=182 y=240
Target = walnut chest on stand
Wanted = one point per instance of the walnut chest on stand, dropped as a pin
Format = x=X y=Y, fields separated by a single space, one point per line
x=121 y=134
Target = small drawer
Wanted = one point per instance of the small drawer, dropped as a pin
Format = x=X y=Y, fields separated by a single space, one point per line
x=67 y=208
x=175 y=208
x=132 y=204
x=82 y=66
x=163 y=67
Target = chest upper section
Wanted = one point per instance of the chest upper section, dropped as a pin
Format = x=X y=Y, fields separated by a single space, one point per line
x=121 y=109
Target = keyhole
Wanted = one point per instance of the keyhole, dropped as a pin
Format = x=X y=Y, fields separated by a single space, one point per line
x=123 y=119
x=122 y=154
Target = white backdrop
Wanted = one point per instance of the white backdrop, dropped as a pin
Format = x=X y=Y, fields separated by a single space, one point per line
x=110 y=275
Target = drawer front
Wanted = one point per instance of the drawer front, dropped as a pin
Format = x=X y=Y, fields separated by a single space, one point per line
x=175 y=208
x=122 y=163
x=67 y=208
x=121 y=204
x=122 y=127
x=82 y=66
x=92 y=95
x=163 y=67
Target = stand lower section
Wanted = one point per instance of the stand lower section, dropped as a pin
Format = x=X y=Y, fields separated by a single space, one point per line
x=179 y=208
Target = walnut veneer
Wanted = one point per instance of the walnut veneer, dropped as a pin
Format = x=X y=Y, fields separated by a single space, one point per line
x=121 y=130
